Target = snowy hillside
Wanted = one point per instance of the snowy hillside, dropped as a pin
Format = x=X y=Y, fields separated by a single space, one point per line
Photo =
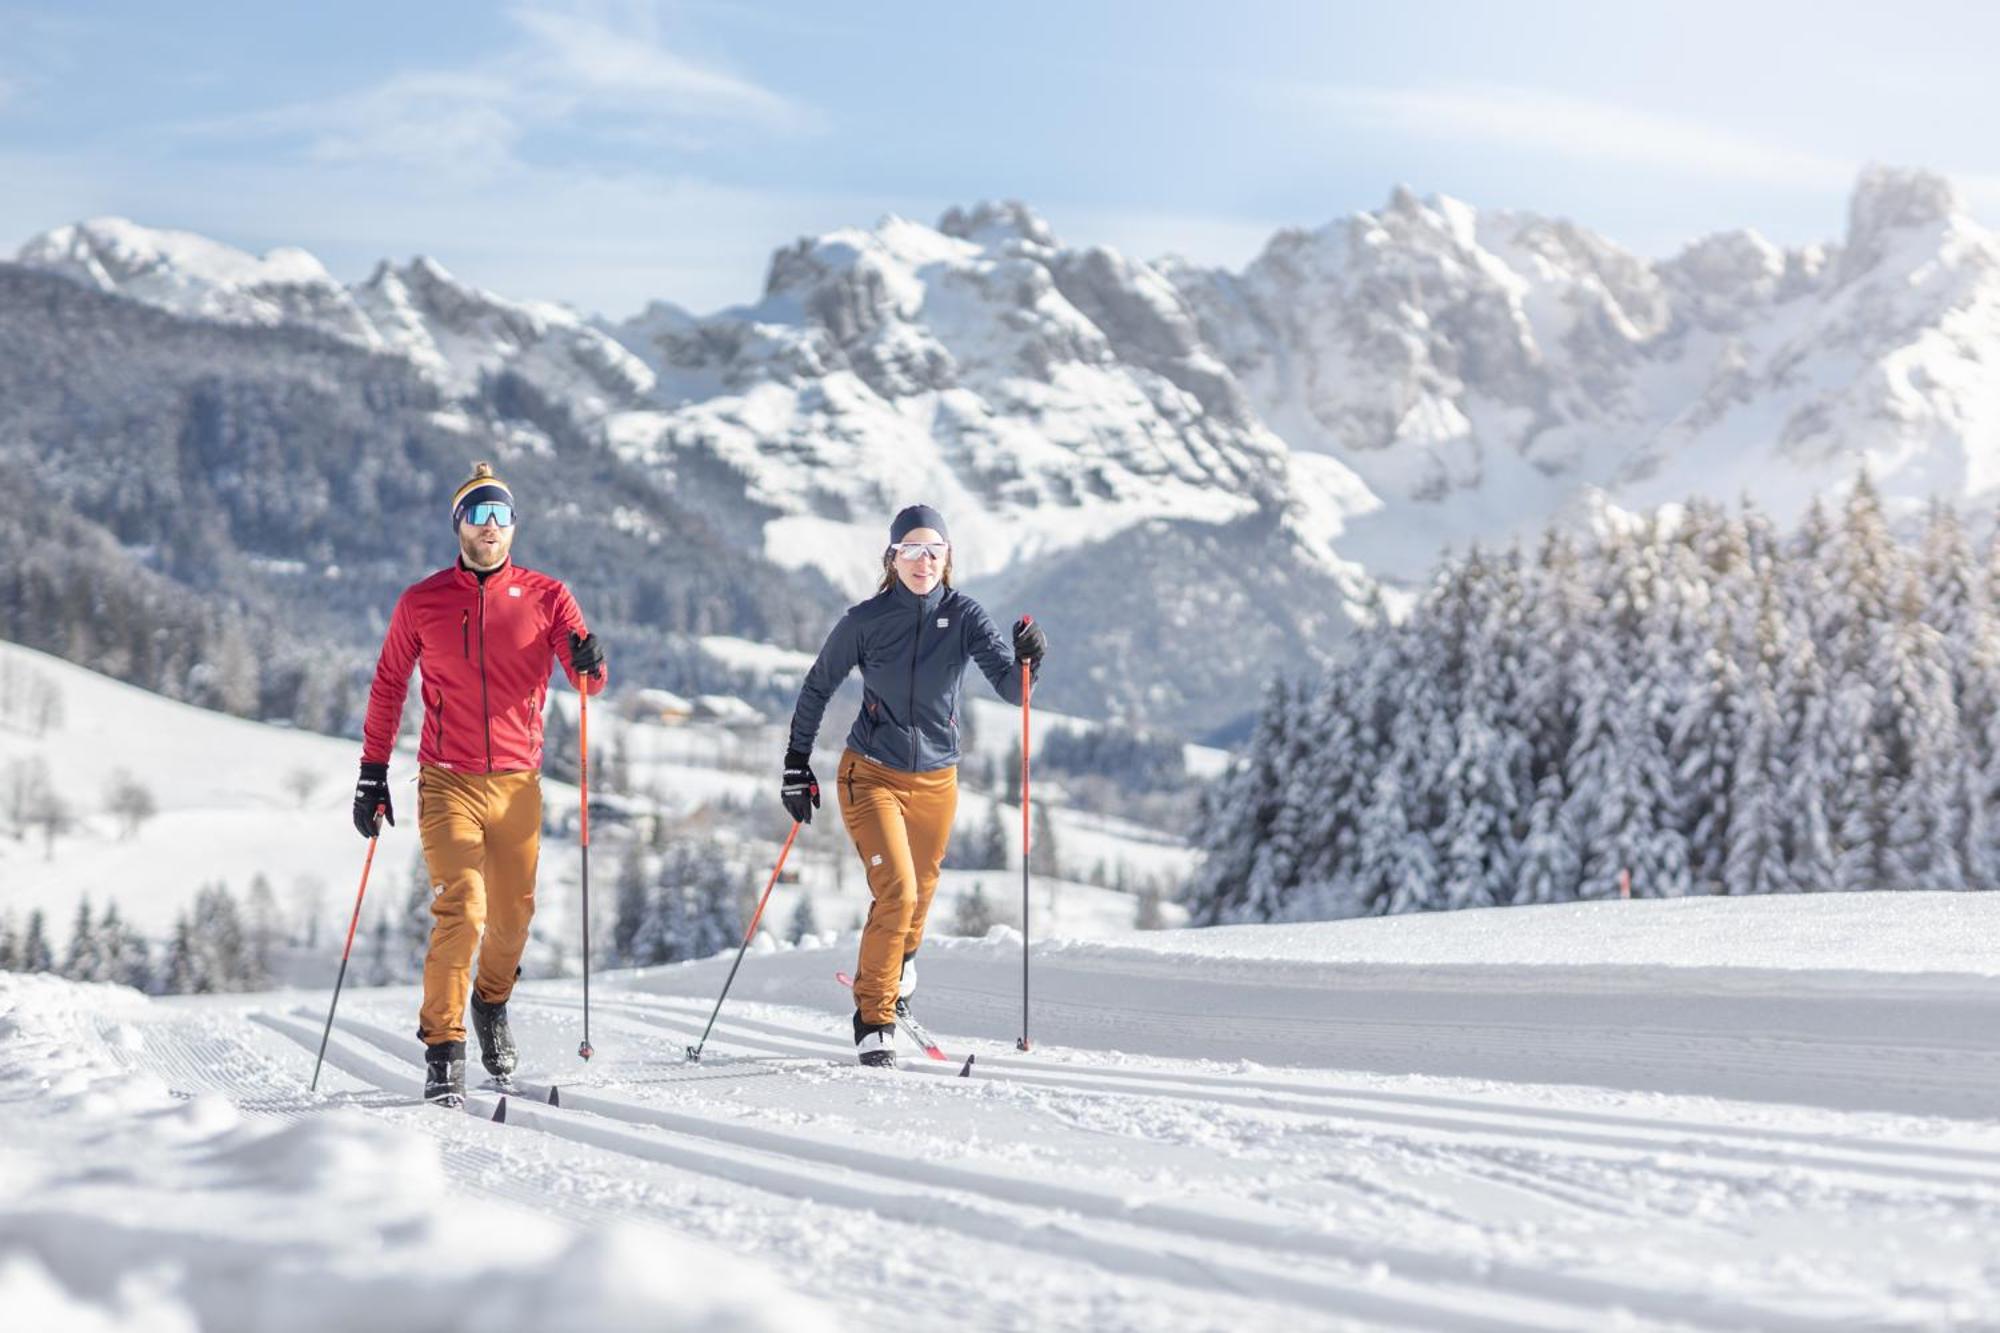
x=236 y=800
x=1706 y=1114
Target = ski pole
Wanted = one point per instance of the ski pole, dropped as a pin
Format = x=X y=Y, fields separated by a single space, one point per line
x=1027 y=687
x=348 y=948
x=583 y=785
x=694 y=1051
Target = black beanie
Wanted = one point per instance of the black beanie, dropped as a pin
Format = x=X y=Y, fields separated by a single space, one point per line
x=917 y=516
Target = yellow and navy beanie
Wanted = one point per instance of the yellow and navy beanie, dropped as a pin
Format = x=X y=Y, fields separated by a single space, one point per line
x=481 y=486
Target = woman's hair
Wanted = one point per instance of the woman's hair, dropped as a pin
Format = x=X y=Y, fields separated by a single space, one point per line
x=889 y=570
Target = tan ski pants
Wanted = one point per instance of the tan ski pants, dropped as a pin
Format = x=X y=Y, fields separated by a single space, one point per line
x=901 y=824
x=482 y=836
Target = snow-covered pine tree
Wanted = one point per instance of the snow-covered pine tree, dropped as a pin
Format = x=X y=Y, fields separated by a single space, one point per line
x=128 y=958
x=1927 y=805
x=1551 y=868
x=183 y=974
x=994 y=838
x=84 y=960
x=724 y=903
x=381 y=952
x=36 y=953
x=1755 y=854
x=1481 y=853
x=630 y=906
x=1237 y=814
x=1805 y=759
x=220 y=943
x=1149 y=914
x=972 y=916
x=414 y=924
x=1702 y=755
x=262 y=928
x=804 y=922
x=1344 y=741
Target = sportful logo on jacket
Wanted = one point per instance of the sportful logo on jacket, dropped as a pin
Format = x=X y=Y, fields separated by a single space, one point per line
x=912 y=653
x=485 y=648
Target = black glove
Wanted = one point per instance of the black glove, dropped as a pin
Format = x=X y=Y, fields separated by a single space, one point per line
x=1029 y=644
x=801 y=790
x=370 y=794
x=586 y=654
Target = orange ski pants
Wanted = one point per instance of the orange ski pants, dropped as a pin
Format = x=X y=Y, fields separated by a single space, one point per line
x=901 y=824
x=482 y=836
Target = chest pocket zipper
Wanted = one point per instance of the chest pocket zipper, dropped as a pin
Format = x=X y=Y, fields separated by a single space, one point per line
x=465 y=632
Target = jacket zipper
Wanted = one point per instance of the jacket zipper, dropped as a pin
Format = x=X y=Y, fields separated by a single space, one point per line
x=485 y=705
x=916 y=646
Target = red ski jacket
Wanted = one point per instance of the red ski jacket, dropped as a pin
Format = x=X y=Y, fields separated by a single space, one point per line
x=485 y=649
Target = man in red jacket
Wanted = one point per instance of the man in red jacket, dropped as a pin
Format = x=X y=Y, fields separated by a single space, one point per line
x=485 y=633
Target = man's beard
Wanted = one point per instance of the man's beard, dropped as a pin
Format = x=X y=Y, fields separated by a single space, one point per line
x=468 y=547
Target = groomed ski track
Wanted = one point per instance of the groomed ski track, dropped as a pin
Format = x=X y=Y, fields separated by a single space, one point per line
x=1362 y=1163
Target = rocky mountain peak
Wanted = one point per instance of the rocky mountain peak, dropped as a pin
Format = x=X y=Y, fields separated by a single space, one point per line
x=992 y=223
x=1888 y=201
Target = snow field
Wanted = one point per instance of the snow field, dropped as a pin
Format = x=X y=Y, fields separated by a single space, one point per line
x=145 y=1206
x=1202 y=1138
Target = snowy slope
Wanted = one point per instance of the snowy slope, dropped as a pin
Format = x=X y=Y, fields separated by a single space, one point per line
x=228 y=812
x=1252 y=1128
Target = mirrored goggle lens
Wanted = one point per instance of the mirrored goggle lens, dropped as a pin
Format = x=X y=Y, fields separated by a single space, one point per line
x=490 y=511
x=918 y=550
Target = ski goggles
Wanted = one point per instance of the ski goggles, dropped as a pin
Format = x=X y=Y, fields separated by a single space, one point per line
x=915 y=551
x=482 y=512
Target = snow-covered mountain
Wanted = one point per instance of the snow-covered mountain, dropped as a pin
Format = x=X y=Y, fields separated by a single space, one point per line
x=1277 y=444
x=456 y=333
x=1483 y=372
x=1057 y=404
x=1046 y=399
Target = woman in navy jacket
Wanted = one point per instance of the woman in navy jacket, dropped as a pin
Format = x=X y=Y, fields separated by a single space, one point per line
x=898 y=777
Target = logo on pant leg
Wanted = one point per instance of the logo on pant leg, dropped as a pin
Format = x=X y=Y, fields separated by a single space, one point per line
x=875 y=860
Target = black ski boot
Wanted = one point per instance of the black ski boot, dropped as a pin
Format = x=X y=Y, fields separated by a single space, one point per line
x=875 y=1044
x=906 y=985
x=496 y=1040
x=444 y=1073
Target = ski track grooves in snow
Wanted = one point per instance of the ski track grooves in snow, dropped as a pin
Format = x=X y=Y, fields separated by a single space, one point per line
x=804 y=1174
x=895 y=1186
x=981 y=1205
x=216 y=1061
x=1931 y=1164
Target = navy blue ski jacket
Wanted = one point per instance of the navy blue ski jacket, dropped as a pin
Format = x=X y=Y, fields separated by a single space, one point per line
x=912 y=653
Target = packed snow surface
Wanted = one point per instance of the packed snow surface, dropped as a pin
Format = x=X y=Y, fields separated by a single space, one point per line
x=1769 y=1114
x=1832 y=932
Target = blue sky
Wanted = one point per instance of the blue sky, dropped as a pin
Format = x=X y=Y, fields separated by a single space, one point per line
x=607 y=154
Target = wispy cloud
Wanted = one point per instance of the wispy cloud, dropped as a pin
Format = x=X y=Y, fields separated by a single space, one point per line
x=1528 y=120
x=624 y=61
x=598 y=74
